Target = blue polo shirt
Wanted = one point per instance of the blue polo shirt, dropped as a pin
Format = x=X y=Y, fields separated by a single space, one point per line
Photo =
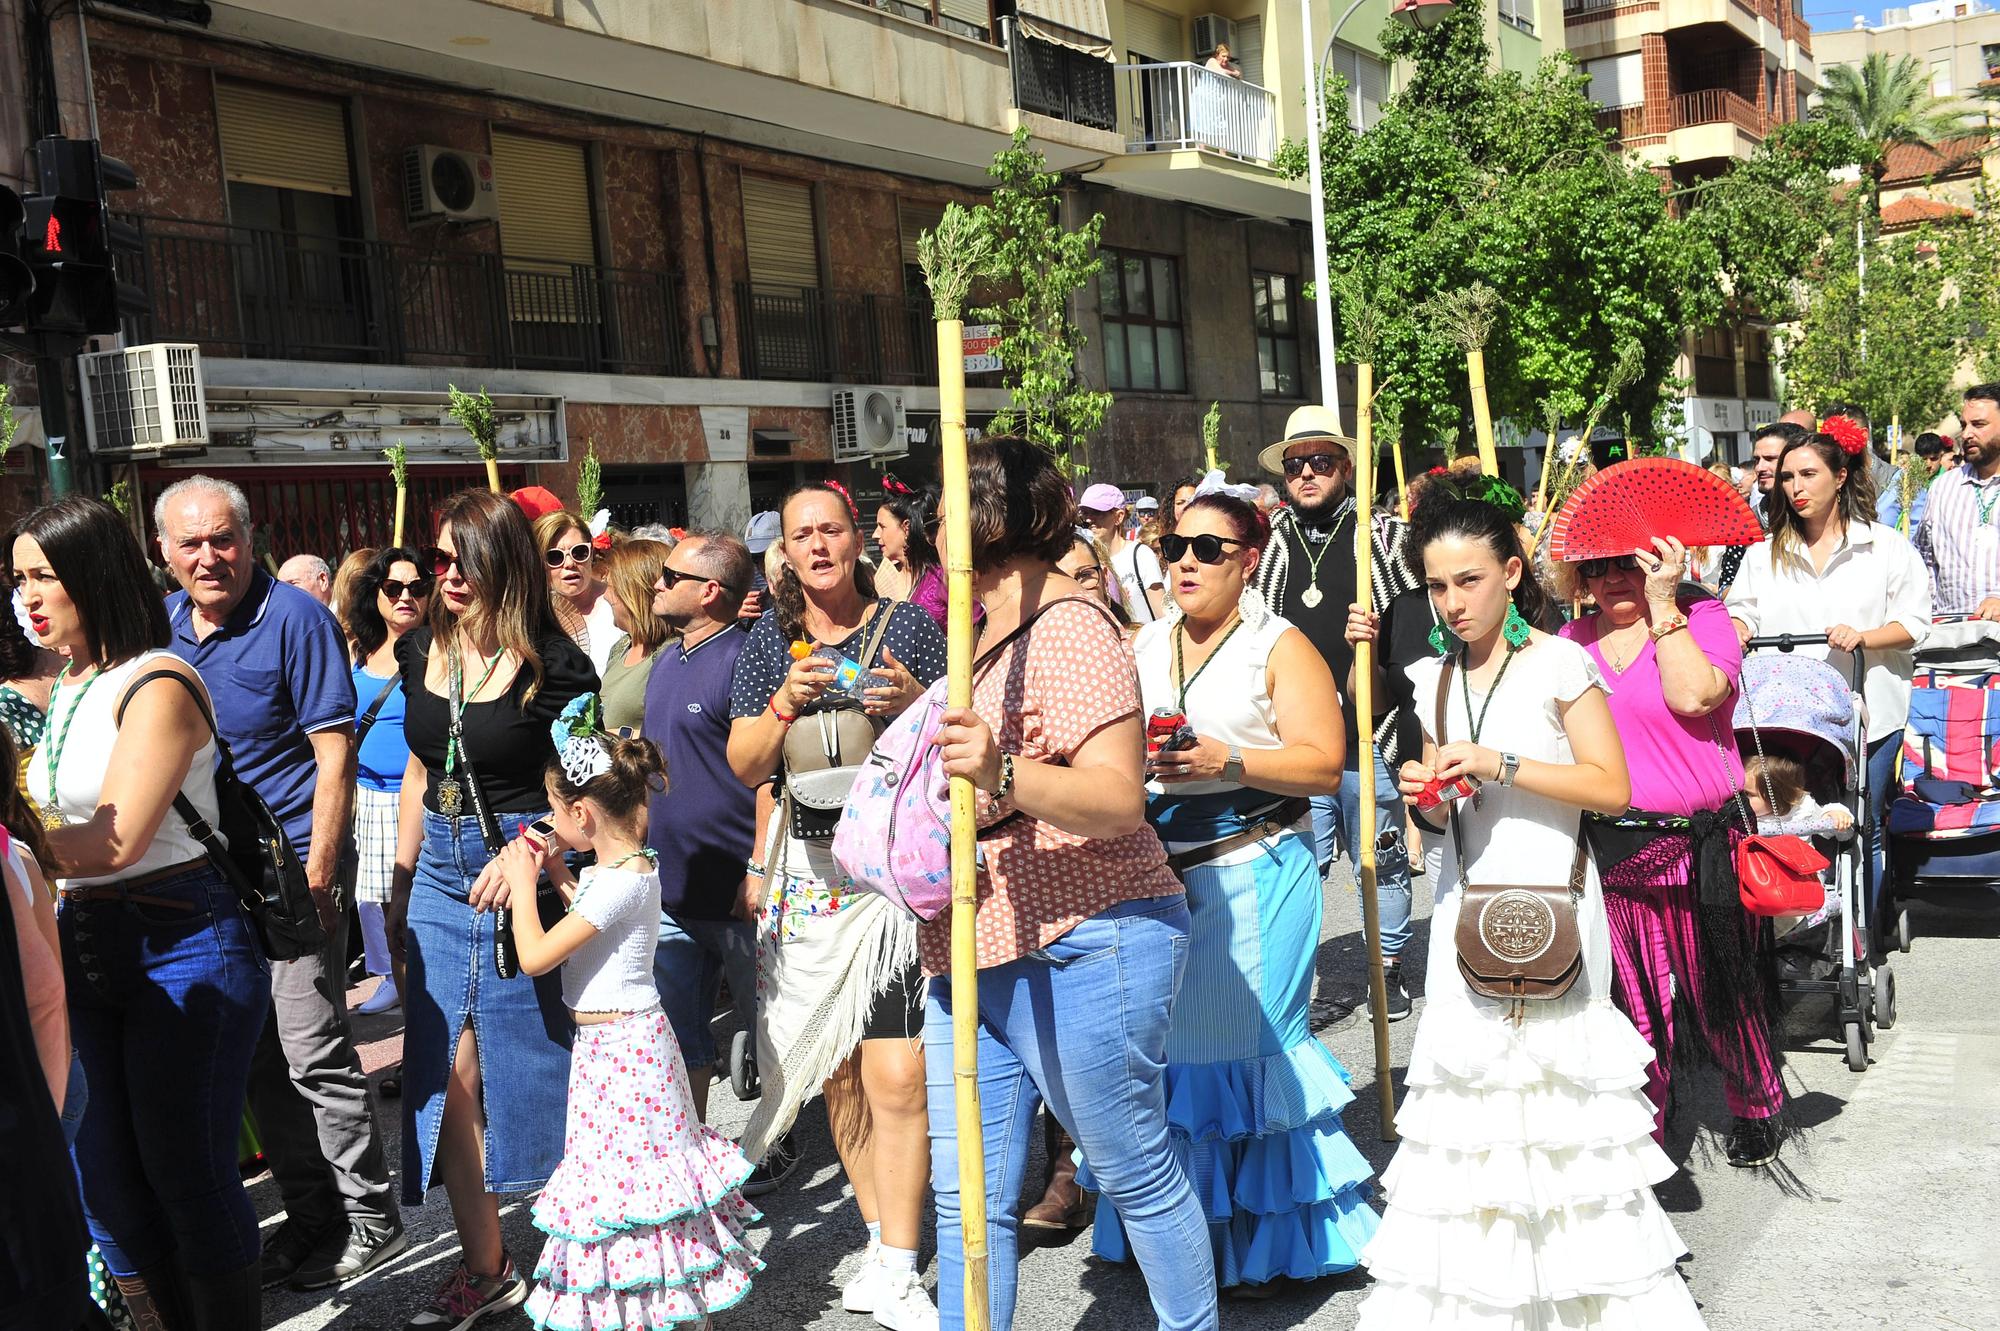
x=703 y=826
x=278 y=671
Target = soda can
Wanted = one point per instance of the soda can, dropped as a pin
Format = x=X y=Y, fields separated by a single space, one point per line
x=1163 y=729
x=1437 y=792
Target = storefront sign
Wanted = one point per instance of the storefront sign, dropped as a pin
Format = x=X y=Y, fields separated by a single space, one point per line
x=982 y=348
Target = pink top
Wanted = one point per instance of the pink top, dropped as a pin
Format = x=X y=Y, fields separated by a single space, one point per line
x=1674 y=760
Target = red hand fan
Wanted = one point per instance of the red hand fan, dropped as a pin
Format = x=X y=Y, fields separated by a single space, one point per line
x=1623 y=507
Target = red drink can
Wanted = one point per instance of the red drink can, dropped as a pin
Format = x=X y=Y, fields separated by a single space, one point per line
x=1437 y=792
x=1161 y=727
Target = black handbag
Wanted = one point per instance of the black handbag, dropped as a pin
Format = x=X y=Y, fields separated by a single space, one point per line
x=253 y=854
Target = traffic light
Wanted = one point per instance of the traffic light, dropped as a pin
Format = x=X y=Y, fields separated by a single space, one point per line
x=17 y=280
x=70 y=243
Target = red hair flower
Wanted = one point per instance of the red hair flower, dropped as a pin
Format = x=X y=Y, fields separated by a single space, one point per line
x=1847 y=432
x=1437 y=471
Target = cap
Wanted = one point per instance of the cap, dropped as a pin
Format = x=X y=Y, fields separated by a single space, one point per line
x=1306 y=425
x=535 y=500
x=1146 y=504
x=762 y=531
x=1102 y=498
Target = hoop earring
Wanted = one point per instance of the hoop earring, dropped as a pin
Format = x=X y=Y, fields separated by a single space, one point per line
x=1441 y=639
x=1514 y=628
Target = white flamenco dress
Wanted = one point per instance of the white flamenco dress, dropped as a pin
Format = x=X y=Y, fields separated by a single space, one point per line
x=1521 y=1197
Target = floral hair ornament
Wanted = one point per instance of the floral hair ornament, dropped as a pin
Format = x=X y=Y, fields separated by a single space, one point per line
x=578 y=742
x=841 y=490
x=1849 y=433
x=600 y=529
x=1215 y=483
x=891 y=485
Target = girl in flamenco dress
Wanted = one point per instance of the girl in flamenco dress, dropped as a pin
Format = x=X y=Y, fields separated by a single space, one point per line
x=644 y=1219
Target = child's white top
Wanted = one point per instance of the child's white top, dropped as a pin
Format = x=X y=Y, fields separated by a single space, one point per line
x=613 y=972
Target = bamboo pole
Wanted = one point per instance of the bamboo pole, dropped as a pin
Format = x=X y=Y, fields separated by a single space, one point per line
x=1364 y=723
x=399 y=471
x=964 y=825
x=1402 y=481
x=1482 y=415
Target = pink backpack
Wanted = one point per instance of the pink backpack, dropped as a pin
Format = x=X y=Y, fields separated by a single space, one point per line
x=894 y=836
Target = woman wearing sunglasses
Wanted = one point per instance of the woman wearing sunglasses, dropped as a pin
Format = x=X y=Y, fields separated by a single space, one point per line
x=385 y=601
x=485 y=1060
x=1289 y=1197
x=576 y=592
x=1683 y=951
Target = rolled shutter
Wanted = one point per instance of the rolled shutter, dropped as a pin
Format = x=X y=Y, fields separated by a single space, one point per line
x=917 y=218
x=1248 y=48
x=778 y=235
x=282 y=139
x=1153 y=34
x=1618 y=80
x=974 y=13
x=544 y=187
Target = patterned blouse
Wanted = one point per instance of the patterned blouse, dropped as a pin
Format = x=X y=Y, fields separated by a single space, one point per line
x=24 y=721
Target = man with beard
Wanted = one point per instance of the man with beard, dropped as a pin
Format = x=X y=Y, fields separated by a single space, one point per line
x=1959 y=538
x=1308 y=577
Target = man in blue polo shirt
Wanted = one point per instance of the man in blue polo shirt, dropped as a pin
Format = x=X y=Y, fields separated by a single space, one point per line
x=703 y=825
x=276 y=664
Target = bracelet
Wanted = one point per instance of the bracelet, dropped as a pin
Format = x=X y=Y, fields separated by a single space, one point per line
x=1006 y=786
x=788 y=720
x=754 y=869
x=1661 y=630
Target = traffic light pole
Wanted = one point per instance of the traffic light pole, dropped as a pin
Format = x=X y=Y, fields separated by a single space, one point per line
x=53 y=384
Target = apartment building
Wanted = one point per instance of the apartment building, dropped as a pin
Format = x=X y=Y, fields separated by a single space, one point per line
x=1690 y=87
x=1957 y=42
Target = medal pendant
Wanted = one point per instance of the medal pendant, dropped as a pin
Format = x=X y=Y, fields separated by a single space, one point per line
x=51 y=819
x=1311 y=596
x=451 y=796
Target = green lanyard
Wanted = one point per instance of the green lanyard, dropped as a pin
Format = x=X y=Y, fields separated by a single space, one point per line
x=454 y=736
x=1181 y=678
x=60 y=735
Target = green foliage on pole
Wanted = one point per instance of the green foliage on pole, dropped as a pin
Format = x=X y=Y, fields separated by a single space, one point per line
x=590 y=483
x=399 y=464
x=953 y=255
x=119 y=496
x=1037 y=268
x=474 y=412
x=1211 y=437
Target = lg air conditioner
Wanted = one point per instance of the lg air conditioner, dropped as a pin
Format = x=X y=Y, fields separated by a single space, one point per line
x=869 y=424
x=144 y=400
x=448 y=183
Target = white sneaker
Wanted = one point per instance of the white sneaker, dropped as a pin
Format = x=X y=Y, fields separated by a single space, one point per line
x=862 y=1290
x=384 y=997
x=901 y=1303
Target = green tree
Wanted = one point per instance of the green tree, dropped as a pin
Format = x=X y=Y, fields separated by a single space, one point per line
x=1036 y=268
x=1886 y=104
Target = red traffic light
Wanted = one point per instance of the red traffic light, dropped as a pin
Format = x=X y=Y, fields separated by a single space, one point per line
x=52 y=236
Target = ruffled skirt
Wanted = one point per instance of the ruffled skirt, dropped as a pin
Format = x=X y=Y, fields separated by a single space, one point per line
x=644 y=1219
x=1521 y=1197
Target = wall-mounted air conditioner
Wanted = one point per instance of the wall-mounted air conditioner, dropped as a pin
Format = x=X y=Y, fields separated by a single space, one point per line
x=1211 y=31
x=869 y=424
x=144 y=400
x=448 y=183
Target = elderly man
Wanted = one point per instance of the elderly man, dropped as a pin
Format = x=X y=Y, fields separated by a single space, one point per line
x=275 y=662
x=1959 y=537
x=310 y=575
x=1308 y=576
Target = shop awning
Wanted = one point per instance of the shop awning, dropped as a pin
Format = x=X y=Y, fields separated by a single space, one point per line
x=1080 y=25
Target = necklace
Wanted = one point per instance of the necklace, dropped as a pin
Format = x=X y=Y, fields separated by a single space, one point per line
x=51 y=814
x=1478 y=720
x=1312 y=596
x=450 y=790
x=1619 y=661
x=1182 y=680
x=1985 y=497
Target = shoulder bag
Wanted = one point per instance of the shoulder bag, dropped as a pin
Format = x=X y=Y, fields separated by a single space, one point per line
x=252 y=852
x=1516 y=943
x=824 y=750
x=374 y=712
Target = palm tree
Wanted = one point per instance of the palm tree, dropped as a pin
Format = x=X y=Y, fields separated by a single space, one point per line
x=1888 y=105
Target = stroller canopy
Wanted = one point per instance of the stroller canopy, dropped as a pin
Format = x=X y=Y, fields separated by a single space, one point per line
x=1801 y=706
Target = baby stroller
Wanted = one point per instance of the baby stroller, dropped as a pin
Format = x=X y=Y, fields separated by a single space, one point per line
x=1944 y=824
x=1800 y=707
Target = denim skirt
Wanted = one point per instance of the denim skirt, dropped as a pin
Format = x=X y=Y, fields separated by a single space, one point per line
x=520 y=1025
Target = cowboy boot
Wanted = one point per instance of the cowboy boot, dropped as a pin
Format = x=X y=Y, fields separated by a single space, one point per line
x=1064 y=1205
x=153 y=1298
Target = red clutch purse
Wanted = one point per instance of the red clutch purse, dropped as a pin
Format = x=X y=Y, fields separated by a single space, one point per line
x=1779 y=875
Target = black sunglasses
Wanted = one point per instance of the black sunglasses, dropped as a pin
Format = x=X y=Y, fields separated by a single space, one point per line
x=1597 y=568
x=575 y=554
x=1322 y=464
x=673 y=577
x=416 y=587
x=1207 y=549
x=441 y=560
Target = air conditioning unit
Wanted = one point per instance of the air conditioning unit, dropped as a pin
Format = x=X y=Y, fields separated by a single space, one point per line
x=869 y=424
x=1211 y=31
x=448 y=183
x=144 y=400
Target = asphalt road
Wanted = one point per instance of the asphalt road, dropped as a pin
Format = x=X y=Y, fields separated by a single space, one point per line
x=1894 y=1222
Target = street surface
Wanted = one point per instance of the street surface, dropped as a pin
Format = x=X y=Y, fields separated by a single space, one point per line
x=1897 y=1224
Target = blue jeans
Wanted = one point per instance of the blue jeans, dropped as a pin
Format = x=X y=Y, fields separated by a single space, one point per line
x=689 y=962
x=1881 y=770
x=1335 y=819
x=1081 y=1024
x=165 y=1007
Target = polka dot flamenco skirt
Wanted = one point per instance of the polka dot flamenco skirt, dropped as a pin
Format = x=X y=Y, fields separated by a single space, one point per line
x=644 y=1219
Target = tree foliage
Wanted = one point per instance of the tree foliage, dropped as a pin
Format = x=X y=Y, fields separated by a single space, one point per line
x=1886 y=103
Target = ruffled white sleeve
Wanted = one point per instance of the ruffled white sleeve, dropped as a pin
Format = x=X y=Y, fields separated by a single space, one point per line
x=606 y=896
x=1573 y=672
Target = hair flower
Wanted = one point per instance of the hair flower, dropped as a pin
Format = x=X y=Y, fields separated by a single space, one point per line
x=1849 y=433
x=578 y=744
x=1217 y=483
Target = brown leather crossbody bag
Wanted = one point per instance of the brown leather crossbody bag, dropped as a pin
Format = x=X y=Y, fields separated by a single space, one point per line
x=1518 y=943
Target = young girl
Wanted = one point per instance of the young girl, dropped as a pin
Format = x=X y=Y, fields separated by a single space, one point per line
x=644 y=1220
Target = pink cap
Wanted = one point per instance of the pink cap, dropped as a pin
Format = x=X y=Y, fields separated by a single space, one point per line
x=1102 y=498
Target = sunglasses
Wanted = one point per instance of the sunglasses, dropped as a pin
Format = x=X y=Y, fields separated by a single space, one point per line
x=418 y=588
x=1597 y=568
x=441 y=561
x=1320 y=464
x=557 y=556
x=1207 y=549
x=673 y=577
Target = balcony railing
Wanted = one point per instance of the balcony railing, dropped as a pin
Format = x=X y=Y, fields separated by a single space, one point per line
x=827 y=336
x=1055 y=81
x=258 y=294
x=1624 y=122
x=1185 y=105
x=1715 y=106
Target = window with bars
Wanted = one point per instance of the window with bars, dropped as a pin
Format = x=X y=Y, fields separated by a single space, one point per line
x=1145 y=346
x=1275 y=317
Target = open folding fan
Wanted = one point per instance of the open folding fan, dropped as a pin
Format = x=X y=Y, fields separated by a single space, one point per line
x=1623 y=507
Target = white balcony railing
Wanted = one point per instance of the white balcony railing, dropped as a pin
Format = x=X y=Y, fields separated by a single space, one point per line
x=1184 y=105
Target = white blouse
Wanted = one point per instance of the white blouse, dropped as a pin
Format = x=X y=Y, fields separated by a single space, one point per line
x=1874 y=578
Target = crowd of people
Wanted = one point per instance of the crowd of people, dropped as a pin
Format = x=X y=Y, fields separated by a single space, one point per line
x=573 y=785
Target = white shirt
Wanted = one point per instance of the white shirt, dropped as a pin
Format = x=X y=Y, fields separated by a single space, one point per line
x=1873 y=579
x=1138 y=568
x=613 y=972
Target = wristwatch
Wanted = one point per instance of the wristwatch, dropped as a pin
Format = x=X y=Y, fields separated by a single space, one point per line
x=1510 y=766
x=1232 y=766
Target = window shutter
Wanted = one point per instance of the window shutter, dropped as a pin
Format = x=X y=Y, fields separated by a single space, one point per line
x=1248 y=48
x=977 y=13
x=1367 y=85
x=282 y=139
x=778 y=235
x=1152 y=34
x=544 y=190
x=917 y=218
x=1618 y=80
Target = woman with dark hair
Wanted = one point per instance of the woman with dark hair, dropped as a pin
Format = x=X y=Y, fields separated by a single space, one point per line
x=1830 y=568
x=168 y=988
x=630 y=571
x=386 y=599
x=1233 y=808
x=904 y=532
x=1522 y=1193
x=841 y=997
x=344 y=578
x=28 y=673
x=1083 y=927
x=485 y=1059
x=576 y=584
x=1183 y=495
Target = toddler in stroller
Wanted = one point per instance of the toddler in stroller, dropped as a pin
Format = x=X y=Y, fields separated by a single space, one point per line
x=1776 y=786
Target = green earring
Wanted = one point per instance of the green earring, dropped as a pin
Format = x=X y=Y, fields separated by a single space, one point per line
x=1514 y=628
x=1440 y=639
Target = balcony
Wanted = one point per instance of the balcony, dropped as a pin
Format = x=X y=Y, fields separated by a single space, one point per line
x=823 y=336
x=1062 y=84
x=1625 y=123
x=1718 y=106
x=1184 y=105
x=272 y=295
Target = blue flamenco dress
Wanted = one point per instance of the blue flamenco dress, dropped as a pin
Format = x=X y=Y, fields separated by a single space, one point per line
x=1253 y=1099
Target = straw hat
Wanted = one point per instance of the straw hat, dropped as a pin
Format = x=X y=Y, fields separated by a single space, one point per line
x=1306 y=425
